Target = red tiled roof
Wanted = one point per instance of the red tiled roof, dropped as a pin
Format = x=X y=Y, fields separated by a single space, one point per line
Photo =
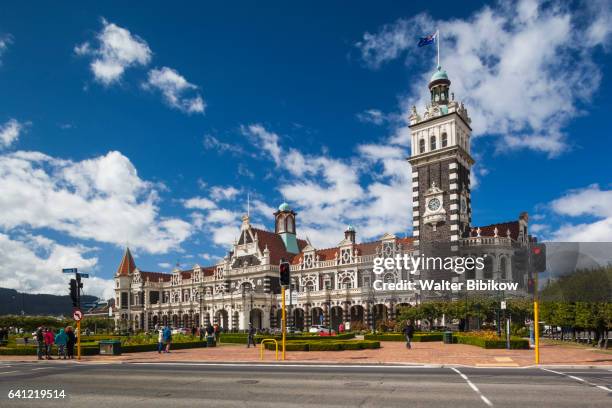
x=502 y=228
x=155 y=276
x=275 y=245
x=127 y=265
x=364 y=248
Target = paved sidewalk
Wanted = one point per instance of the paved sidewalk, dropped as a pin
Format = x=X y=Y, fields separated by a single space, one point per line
x=435 y=353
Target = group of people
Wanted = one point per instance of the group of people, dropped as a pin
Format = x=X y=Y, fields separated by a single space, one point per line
x=65 y=340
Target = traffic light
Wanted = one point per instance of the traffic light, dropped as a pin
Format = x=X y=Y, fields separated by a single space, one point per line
x=285 y=274
x=74 y=292
x=538 y=257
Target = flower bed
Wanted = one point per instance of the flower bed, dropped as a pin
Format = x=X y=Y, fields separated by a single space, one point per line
x=338 y=345
x=490 y=341
x=93 y=349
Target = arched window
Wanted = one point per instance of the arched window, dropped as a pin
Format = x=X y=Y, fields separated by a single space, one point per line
x=290 y=225
x=422 y=146
x=280 y=223
x=503 y=268
x=432 y=142
x=488 y=268
x=444 y=139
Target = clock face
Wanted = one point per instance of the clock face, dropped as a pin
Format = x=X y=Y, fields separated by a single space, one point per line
x=433 y=204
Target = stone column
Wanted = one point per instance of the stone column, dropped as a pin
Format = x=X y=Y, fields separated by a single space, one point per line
x=307 y=317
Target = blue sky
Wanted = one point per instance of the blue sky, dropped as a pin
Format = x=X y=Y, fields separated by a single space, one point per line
x=150 y=126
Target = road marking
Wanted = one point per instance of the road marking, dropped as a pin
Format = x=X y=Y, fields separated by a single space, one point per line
x=473 y=387
x=8 y=372
x=42 y=368
x=573 y=377
x=178 y=364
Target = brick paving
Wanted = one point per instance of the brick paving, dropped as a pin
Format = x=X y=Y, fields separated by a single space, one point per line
x=390 y=352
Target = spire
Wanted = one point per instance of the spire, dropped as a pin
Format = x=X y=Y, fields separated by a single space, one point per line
x=127 y=265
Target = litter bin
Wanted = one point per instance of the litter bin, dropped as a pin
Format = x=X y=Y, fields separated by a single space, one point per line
x=448 y=337
x=210 y=341
x=110 y=347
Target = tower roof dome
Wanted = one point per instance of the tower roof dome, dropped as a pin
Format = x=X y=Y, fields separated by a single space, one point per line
x=284 y=207
x=350 y=228
x=439 y=74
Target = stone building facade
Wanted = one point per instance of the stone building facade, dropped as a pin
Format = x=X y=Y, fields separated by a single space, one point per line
x=335 y=285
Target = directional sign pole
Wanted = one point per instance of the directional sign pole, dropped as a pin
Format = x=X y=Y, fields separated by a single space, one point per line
x=78 y=339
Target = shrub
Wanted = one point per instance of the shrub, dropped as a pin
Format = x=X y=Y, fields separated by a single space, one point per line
x=418 y=337
x=306 y=345
x=490 y=342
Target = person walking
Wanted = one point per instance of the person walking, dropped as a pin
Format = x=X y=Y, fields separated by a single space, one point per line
x=409 y=333
x=216 y=332
x=202 y=331
x=251 y=336
x=160 y=340
x=49 y=337
x=40 y=340
x=61 y=340
x=193 y=331
x=167 y=338
x=71 y=341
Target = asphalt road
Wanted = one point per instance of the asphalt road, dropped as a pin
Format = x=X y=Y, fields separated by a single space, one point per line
x=299 y=385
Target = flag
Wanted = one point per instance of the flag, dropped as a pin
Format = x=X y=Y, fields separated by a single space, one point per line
x=427 y=40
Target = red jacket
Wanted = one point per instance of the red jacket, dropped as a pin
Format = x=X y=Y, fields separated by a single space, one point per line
x=49 y=338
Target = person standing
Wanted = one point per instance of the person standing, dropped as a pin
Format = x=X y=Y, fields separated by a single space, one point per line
x=167 y=338
x=251 y=336
x=49 y=337
x=61 y=340
x=40 y=340
x=160 y=340
x=409 y=333
x=216 y=332
x=71 y=341
x=201 y=333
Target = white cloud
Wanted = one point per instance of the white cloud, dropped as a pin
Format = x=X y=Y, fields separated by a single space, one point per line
x=367 y=190
x=520 y=69
x=165 y=265
x=5 y=41
x=116 y=50
x=267 y=141
x=100 y=199
x=590 y=202
x=174 y=87
x=199 y=203
x=33 y=263
x=374 y=116
x=9 y=133
x=223 y=193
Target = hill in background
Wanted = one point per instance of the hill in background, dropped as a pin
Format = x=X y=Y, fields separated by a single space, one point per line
x=13 y=302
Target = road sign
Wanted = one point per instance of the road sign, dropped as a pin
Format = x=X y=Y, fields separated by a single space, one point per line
x=77 y=314
x=69 y=270
x=503 y=305
x=84 y=275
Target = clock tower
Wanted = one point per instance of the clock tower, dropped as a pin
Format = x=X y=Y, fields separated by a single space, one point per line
x=441 y=165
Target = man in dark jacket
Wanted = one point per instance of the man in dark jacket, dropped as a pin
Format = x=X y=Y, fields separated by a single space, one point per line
x=251 y=337
x=40 y=340
x=408 y=333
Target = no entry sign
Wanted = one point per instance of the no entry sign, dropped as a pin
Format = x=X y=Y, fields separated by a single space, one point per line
x=77 y=314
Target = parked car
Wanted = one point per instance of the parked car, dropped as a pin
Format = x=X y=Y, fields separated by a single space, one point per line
x=181 y=330
x=321 y=330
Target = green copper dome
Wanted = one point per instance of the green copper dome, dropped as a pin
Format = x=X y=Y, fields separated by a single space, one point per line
x=350 y=228
x=284 y=207
x=439 y=74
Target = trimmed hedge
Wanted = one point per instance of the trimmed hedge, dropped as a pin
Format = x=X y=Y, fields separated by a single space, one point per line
x=305 y=345
x=515 y=342
x=241 y=338
x=93 y=350
x=418 y=337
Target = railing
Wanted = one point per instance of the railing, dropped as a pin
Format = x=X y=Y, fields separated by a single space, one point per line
x=262 y=347
x=479 y=241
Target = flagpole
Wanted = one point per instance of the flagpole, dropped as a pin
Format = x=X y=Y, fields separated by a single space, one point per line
x=438 y=44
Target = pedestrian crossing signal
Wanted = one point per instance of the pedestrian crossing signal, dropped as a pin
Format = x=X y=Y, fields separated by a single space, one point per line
x=285 y=274
x=74 y=292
